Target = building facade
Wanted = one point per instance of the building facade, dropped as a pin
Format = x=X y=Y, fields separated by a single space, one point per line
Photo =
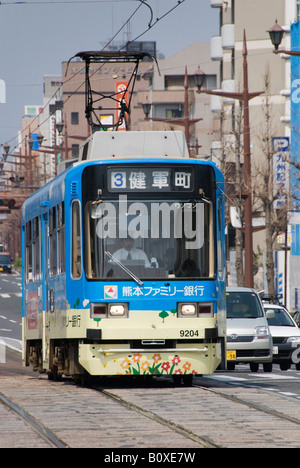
x=254 y=19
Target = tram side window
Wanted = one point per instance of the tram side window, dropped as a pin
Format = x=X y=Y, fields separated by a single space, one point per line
x=53 y=242
x=36 y=248
x=61 y=238
x=28 y=252
x=220 y=241
x=76 y=241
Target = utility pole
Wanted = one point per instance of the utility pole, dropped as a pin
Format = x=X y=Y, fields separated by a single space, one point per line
x=245 y=97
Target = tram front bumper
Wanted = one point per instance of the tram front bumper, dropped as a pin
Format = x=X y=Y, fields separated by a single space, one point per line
x=114 y=359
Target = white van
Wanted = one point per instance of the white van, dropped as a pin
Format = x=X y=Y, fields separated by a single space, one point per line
x=248 y=336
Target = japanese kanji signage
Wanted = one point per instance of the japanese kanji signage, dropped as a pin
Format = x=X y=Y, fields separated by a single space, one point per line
x=281 y=147
x=126 y=291
x=150 y=179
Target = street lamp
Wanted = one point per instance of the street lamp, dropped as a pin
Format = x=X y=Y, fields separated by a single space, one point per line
x=276 y=34
x=245 y=97
x=40 y=139
x=199 y=79
x=6 y=148
x=17 y=180
x=147 y=108
x=59 y=127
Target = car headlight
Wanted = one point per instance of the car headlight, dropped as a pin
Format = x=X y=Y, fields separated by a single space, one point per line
x=293 y=339
x=261 y=332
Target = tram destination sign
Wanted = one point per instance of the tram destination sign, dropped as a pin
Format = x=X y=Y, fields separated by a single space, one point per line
x=150 y=179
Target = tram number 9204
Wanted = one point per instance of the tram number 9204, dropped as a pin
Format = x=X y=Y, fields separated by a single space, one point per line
x=188 y=333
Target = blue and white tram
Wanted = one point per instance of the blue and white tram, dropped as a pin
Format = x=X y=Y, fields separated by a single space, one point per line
x=124 y=264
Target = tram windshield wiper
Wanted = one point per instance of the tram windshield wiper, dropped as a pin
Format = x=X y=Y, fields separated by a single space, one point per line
x=124 y=268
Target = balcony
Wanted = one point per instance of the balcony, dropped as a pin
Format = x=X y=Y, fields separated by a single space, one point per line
x=216 y=50
x=228 y=36
x=216 y=3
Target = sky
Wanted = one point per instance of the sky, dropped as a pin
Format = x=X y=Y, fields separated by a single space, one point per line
x=37 y=36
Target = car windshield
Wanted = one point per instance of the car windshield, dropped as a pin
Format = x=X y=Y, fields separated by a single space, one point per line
x=243 y=305
x=4 y=259
x=281 y=318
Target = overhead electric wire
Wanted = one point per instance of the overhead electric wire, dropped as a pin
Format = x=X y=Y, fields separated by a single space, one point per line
x=122 y=27
x=65 y=2
x=150 y=26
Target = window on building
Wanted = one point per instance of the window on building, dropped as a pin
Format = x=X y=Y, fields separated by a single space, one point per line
x=174 y=113
x=74 y=118
x=175 y=82
x=75 y=151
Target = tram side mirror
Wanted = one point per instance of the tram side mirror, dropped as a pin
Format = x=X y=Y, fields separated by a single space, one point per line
x=97 y=209
x=235 y=217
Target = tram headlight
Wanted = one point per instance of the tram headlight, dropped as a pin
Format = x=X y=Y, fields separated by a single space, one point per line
x=195 y=309
x=187 y=310
x=105 y=310
x=118 y=310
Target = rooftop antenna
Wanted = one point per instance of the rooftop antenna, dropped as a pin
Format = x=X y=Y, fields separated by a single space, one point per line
x=128 y=39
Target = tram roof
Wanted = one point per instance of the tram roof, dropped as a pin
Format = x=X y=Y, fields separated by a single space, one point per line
x=118 y=144
x=118 y=147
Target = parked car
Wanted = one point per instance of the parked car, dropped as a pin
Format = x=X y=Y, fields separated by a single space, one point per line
x=296 y=318
x=248 y=336
x=286 y=337
x=5 y=262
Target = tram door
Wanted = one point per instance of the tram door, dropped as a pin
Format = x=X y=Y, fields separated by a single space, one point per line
x=45 y=273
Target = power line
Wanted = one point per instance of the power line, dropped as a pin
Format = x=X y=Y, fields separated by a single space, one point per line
x=65 y=2
x=150 y=26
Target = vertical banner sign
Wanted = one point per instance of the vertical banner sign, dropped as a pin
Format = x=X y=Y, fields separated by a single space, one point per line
x=281 y=147
x=121 y=87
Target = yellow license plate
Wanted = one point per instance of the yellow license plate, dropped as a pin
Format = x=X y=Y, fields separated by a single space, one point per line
x=231 y=355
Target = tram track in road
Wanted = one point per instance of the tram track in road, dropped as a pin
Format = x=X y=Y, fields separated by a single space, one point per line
x=203 y=438
x=260 y=408
x=35 y=426
x=242 y=412
x=134 y=414
x=179 y=429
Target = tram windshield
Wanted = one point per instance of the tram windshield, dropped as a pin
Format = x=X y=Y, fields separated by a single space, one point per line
x=149 y=239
